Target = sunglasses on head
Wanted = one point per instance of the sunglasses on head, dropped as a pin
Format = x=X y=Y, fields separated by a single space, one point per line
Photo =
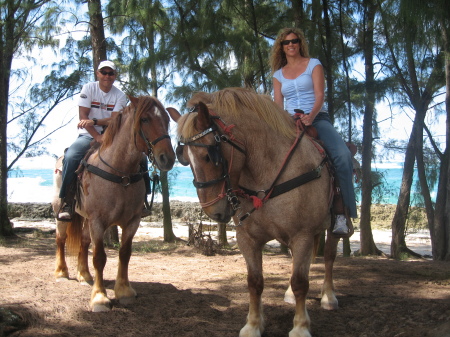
x=110 y=73
x=293 y=41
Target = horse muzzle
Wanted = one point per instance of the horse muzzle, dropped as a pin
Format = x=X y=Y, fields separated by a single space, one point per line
x=221 y=211
x=164 y=161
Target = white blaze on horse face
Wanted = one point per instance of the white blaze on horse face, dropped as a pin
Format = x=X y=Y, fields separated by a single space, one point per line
x=158 y=113
x=192 y=158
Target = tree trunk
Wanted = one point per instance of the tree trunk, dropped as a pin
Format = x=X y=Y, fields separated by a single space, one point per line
x=169 y=236
x=346 y=250
x=97 y=30
x=440 y=231
x=7 y=47
x=299 y=17
x=420 y=99
x=5 y=224
x=398 y=244
x=328 y=66
x=368 y=246
x=222 y=233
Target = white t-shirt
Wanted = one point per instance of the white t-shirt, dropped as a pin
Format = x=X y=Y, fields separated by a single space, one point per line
x=299 y=92
x=102 y=104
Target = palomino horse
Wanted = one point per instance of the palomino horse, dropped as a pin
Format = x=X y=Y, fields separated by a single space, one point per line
x=112 y=192
x=249 y=162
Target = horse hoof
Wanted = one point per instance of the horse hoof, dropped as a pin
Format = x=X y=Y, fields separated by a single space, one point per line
x=85 y=279
x=100 y=303
x=62 y=279
x=299 y=332
x=250 y=331
x=329 y=306
x=329 y=302
x=100 y=308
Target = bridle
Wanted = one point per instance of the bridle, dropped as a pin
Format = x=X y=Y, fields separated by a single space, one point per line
x=216 y=156
x=150 y=144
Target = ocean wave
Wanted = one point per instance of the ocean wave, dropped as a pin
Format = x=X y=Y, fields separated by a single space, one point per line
x=387 y=165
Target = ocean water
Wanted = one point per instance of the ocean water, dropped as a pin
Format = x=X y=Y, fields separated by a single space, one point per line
x=32 y=181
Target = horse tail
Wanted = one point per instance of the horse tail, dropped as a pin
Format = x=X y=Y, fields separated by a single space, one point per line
x=74 y=231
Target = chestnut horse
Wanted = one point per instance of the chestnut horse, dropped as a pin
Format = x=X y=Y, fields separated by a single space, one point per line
x=249 y=162
x=112 y=192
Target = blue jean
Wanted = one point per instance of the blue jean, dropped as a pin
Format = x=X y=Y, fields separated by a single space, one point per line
x=71 y=161
x=341 y=158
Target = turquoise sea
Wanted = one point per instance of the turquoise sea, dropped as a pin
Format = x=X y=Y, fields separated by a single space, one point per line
x=33 y=184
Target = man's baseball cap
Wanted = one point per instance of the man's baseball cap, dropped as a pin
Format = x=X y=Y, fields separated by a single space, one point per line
x=108 y=64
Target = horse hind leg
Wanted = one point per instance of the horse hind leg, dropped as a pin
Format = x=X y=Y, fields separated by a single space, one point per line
x=329 y=300
x=61 y=270
x=123 y=291
x=83 y=274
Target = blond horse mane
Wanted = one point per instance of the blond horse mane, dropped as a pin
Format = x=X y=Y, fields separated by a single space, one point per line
x=145 y=104
x=237 y=103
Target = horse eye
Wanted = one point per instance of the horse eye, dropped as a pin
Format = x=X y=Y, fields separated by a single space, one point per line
x=144 y=120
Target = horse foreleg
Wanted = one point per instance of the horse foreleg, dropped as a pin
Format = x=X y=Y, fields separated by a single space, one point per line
x=83 y=275
x=329 y=300
x=122 y=289
x=99 y=300
x=301 y=256
x=61 y=270
x=255 y=281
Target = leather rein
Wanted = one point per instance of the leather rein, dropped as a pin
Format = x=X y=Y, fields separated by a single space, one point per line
x=273 y=191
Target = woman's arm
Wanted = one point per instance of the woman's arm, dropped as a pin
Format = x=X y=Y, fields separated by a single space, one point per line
x=318 y=79
x=277 y=95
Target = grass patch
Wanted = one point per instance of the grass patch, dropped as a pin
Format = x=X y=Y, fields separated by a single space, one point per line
x=155 y=246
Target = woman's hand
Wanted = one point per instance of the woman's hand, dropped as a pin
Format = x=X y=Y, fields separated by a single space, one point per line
x=307 y=120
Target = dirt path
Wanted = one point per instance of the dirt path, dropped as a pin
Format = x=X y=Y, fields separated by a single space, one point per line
x=184 y=293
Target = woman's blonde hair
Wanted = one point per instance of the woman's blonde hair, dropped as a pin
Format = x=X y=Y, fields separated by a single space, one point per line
x=278 y=57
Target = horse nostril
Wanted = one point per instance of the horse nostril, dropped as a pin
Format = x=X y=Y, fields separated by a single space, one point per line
x=165 y=162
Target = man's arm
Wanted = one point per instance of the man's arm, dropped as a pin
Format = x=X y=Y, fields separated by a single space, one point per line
x=88 y=124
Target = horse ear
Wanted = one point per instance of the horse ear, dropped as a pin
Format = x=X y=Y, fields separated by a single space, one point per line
x=203 y=118
x=134 y=100
x=174 y=114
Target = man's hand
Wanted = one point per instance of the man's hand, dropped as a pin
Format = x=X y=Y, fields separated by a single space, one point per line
x=85 y=122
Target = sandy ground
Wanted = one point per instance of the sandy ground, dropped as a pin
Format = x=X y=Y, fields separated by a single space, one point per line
x=182 y=292
x=418 y=241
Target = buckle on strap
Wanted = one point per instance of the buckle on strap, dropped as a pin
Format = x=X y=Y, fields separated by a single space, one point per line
x=126 y=180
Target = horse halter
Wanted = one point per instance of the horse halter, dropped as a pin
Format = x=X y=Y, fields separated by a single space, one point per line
x=150 y=144
x=216 y=157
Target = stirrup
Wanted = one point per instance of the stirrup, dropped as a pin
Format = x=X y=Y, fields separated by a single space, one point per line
x=65 y=212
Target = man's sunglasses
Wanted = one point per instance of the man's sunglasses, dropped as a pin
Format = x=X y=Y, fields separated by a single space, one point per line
x=110 y=73
x=286 y=42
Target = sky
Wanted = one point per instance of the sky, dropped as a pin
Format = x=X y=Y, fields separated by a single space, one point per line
x=398 y=128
